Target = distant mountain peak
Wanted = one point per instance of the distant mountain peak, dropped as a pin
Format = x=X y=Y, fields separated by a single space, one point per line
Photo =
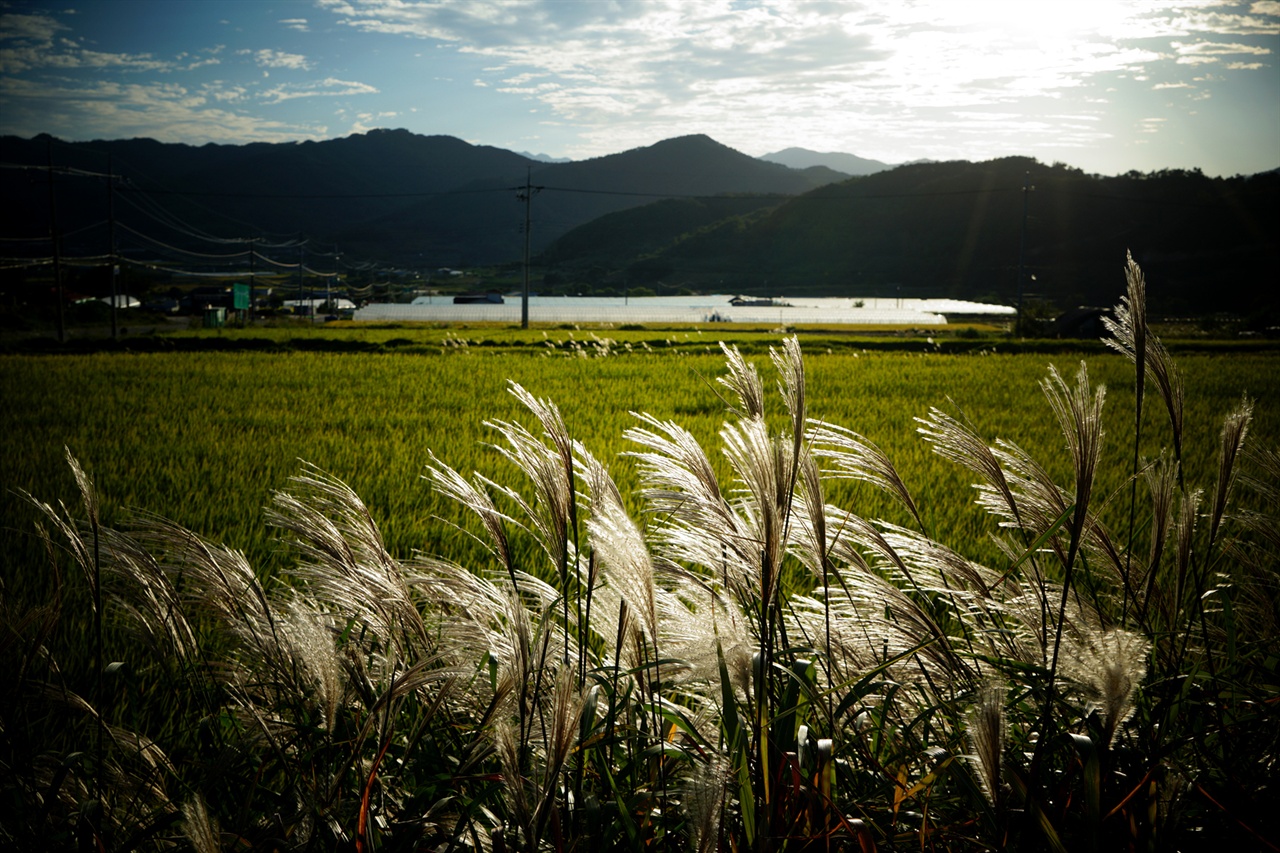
x=849 y=164
x=545 y=158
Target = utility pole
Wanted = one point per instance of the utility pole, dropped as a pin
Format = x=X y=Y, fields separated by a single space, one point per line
x=525 y=194
x=1022 y=249
x=253 y=250
x=302 y=248
x=53 y=236
x=111 y=248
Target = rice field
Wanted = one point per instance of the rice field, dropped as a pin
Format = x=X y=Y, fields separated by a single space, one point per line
x=205 y=438
x=815 y=640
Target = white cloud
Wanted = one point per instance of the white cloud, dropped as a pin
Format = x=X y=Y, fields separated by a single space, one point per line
x=329 y=87
x=27 y=42
x=111 y=110
x=298 y=24
x=267 y=58
x=366 y=122
x=39 y=29
x=1214 y=48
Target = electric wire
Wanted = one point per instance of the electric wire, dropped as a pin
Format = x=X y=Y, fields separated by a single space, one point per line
x=179 y=250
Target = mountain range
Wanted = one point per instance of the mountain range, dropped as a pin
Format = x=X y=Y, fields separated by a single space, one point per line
x=684 y=212
x=391 y=195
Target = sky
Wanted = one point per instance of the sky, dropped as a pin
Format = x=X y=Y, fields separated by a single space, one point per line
x=1107 y=86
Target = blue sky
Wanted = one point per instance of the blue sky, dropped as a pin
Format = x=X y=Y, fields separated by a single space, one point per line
x=1105 y=85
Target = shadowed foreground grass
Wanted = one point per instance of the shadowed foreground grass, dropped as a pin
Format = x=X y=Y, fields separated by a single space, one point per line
x=728 y=651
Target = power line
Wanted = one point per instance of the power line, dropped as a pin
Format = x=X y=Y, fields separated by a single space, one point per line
x=312 y=196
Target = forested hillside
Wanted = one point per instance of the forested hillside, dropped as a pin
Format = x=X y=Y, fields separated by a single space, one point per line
x=955 y=229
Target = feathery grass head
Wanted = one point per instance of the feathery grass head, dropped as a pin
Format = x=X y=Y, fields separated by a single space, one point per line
x=704 y=797
x=985 y=725
x=1131 y=336
x=956 y=439
x=1128 y=325
x=1106 y=668
x=620 y=549
x=744 y=381
x=344 y=560
x=858 y=458
x=1235 y=428
x=1079 y=414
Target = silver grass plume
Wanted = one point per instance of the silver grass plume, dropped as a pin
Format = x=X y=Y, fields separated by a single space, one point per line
x=310 y=636
x=984 y=604
x=1036 y=499
x=620 y=548
x=215 y=580
x=744 y=381
x=1161 y=478
x=813 y=547
x=856 y=457
x=1107 y=667
x=704 y=800
x=506 y=742
x=1235 y=428
x=344 y=560
x=1131 y=337
x=695 y=618
x=956 y=440
x=1184 y=537
x=566 y=710
x=763 y=466
x=986 y=728
x=144 y=591
x=135 y=583
x=80 y=546
x=791 y=385
x=1128 y=328
x=1079 y=414
x=1257 y=582
x=698 y=525
x=1264 y=482
x=553 y=428
x=870 y=619
x=549 y=517
x=909 y=615
x=473 y=611
x=474 y=496
x=200 y=829
x=1040 y=502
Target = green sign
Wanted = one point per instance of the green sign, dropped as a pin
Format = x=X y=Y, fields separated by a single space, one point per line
x=240 y=297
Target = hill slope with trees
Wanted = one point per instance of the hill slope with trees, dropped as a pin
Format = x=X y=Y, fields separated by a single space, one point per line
x=955 y=229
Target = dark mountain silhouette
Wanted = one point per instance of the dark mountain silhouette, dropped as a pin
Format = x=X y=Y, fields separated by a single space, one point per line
x=849 y=164
x=484 y=216
x=388 y=195
x=685 y=212
x=954 y=229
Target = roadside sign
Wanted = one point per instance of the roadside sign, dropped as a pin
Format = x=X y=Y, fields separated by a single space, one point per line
x=240 y=297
